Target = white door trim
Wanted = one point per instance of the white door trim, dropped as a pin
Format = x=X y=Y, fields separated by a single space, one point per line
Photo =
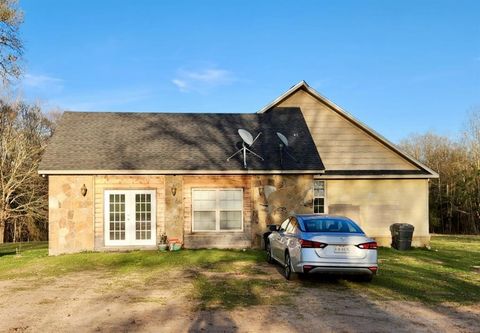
x=130 y=219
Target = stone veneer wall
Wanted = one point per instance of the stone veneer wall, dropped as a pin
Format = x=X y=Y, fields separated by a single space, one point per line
x=70 y=214
x=276 y=197
x=174 y=215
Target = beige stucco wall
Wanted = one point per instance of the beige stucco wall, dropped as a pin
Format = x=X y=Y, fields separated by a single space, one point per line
x=70 y=214
x=376 y=204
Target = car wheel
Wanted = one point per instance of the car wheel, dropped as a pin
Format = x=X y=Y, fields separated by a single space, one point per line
x=269 y=254
x=288 y=267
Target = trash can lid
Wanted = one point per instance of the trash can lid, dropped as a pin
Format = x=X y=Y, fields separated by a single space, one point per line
x=405 y=226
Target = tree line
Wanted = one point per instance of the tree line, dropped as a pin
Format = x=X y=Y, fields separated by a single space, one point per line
x=23 y=192
x=455 y=196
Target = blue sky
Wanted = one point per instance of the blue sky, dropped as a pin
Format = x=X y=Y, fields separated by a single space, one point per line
x=399 y=66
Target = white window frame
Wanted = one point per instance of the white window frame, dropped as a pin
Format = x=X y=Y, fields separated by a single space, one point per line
x=130 y=218
x=325 y=207
x=217 y=209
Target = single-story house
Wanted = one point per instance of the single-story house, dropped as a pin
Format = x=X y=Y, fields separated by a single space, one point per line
x=121 y=180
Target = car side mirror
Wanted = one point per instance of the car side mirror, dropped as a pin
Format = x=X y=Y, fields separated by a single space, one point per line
x=273 y=227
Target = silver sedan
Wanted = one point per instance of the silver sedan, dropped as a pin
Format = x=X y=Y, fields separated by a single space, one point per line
x=307 y=244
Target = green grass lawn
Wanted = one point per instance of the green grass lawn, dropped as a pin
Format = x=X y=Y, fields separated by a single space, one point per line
x=445 y=273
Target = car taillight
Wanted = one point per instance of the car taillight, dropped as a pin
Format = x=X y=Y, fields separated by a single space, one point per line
x=368 y=246
x=307 y=268
x=312 y=244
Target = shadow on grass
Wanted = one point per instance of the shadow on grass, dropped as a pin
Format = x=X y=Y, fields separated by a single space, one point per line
x=232 y=292
x=9 y=253
x=11 y=248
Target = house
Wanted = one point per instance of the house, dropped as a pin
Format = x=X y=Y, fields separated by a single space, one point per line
x=120 y=180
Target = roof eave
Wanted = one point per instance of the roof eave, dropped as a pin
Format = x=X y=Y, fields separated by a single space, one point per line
x=176 y=172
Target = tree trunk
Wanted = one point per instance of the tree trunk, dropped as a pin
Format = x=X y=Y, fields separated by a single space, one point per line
x=2 y=232
x=15 y=231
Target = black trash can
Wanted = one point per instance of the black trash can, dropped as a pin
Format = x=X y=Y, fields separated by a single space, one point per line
x=402 y=234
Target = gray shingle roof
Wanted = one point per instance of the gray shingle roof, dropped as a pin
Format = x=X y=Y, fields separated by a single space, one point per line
x=177 y=141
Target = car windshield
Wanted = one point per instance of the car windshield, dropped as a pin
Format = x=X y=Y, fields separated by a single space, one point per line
x=331 y=225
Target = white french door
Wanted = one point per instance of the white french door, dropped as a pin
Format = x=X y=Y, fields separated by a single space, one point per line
x=130 y=217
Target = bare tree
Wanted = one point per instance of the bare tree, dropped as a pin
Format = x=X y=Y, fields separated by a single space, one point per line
x=23 y=193
x=471 y=138
x=11 y=47
x=455 y=196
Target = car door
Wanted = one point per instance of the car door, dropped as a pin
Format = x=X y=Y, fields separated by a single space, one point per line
x=278 y=245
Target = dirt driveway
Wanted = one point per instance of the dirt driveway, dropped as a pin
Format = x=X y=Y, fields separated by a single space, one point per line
x=100 y=302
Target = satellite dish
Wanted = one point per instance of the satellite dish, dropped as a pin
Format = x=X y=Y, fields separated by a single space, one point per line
x=283 y=138
x=246 y=136
x=248 y=140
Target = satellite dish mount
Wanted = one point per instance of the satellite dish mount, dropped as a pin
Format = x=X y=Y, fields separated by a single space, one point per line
x=284 y=148
x=247 y=143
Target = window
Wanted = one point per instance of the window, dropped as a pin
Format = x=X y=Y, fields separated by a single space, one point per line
x=217 y=209
x=318 y=196
x=331 y=225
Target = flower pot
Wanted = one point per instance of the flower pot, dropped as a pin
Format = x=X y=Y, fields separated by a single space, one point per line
x=175 y=246
x=162 y=247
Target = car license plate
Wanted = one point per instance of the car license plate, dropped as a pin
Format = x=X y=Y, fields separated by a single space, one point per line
x=342 y=249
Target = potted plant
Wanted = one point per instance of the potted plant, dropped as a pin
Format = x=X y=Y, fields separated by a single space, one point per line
x=162 y=245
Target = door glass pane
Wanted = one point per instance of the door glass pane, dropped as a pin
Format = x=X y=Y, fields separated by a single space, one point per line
x=230 y=220
x=143 y=216
x=117 y=217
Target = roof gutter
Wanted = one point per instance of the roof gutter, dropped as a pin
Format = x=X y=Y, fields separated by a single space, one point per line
x=392 y=176
x=177 y=172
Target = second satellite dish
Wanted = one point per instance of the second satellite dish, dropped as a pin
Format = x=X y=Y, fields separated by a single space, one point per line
x=284 y=149
x=283 y=138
